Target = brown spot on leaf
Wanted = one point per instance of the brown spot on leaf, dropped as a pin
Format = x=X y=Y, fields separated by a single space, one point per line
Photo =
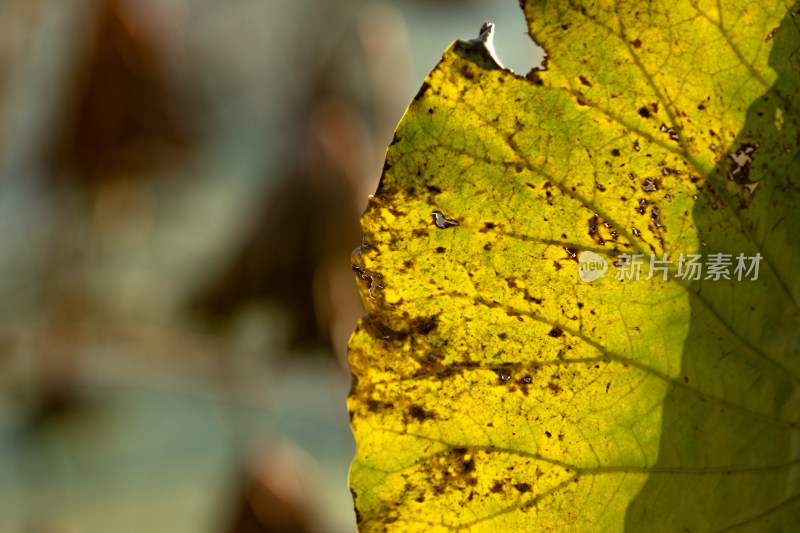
x=534 y=77
x=522 y=487
x=422 y=90
x=381 y=329
x=420 y=414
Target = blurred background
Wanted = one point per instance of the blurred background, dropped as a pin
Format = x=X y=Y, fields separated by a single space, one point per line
x=180 y=187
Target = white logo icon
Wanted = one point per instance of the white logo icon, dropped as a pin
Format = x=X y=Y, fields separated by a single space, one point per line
x=591 y=266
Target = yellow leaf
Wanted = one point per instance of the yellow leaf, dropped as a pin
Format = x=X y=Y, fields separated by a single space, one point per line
x=499 y=387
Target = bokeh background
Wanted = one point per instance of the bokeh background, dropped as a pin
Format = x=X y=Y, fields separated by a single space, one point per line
x=180 y=186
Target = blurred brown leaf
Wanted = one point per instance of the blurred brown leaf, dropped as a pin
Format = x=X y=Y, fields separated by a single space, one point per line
x=126 y=116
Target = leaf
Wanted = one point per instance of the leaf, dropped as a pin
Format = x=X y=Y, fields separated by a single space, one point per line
x=493 y=390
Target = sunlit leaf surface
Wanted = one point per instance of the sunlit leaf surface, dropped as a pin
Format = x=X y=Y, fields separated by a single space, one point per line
x=494 y=390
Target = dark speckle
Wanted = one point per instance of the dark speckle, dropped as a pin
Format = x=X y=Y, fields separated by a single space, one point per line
x=584 y=81
x=522 y=487
x=556 y=332
x=384 y=331
x=548 y=434
x=615 y=152
x=771 y=34
x=534 y=76
x=422 y=90
x=593 y=224
x=441 y=249
x=419 y=413
x=637 y=43
x=644 y=112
